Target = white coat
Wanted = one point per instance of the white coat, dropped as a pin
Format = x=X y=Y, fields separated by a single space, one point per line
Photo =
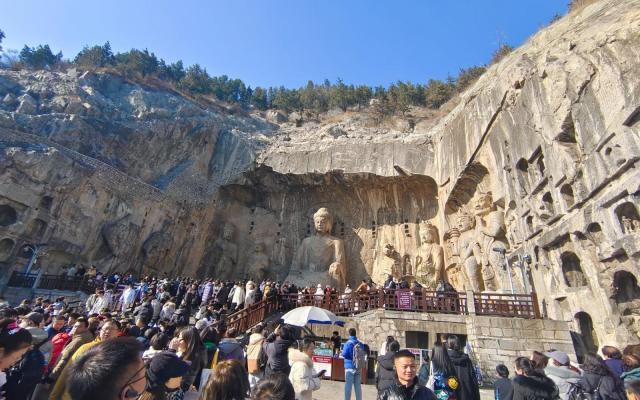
x=302 y=375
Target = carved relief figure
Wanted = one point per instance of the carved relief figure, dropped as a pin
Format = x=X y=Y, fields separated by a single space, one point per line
x=429 y=264
x=395 y=269
x=228 y=251
x=259 y=263
x=154 y=248
x=320 y=258
x=464 y=243
x=492 y=251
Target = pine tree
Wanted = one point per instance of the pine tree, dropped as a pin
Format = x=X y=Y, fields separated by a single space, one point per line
x=437 y=93
x=39 y=57
x=259 y=98
x=2 y=36
x=95 y=56
x=196 y=80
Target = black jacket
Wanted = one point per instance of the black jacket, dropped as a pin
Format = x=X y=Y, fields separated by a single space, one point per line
x=386 y=375
x=469 y=389
x=277 y=355
x=535 y=387
x=503 y=389
x=400 y=392
x=611 y=388
x=23 y=377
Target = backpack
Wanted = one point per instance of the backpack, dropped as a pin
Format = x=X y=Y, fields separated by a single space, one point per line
x=577 y=392
x=359 y=356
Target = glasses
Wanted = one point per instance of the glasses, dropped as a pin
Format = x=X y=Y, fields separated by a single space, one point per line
x=127 y=390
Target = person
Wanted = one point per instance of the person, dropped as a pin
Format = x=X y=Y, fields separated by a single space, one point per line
x=56 y=326
x=539 y=361
x=465 y=371
x=561 y=372
x=274 y=387
x=276 y=348
x=110 y=330
x=633 y=389
x=531 y=384
x=14 y=343
x=597 y=379
x=254 y=350
x=386 y=373
x=613 y=359
x=502 y=387
x=228 y=381
x=406 y=387
x=80 y=335
x=336 y=341
x=113 y=369
x=158 y=343
x=230 y=348
x=303 y=377
x=631 y=367
x=191 y=349
x=352 y=375
x=33 y=323
x=384 y=346
x=443 y=374
x=164 y=377
x=425 y=368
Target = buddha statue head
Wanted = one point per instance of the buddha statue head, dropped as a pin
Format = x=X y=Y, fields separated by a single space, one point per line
x=429 y=233
x=483 y=204
x=465 y=222
x=323 y=221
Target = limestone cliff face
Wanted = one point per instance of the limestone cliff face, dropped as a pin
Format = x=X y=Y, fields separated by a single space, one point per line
x=540 y=156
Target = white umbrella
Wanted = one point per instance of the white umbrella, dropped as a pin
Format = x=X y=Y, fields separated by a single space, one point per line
x=311 y=315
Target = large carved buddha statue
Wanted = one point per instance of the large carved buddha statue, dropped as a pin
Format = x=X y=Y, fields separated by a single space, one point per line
x=429 y=264
x=320 y=259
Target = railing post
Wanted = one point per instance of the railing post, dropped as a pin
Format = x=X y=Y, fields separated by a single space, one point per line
x=536 y=308
x=471 y=303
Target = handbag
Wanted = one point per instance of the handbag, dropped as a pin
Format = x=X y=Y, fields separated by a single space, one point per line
x=431 y=381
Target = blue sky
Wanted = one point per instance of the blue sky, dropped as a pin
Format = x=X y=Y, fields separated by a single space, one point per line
x=287 y=42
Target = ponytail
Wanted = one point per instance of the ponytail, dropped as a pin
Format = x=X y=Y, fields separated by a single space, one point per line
x=525 y=365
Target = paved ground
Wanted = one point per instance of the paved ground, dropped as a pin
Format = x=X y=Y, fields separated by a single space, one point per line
x=332 y=390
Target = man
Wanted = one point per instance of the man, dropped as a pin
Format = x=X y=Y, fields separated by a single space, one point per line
x=561 y=373
x=80 y=335
x=352 y=375
x=112 y=370
x=336 y=340
x=128 y=298
x=503 y=388
x=109 y=331
x=469 y=388
x=406 y=387
x=56 y=326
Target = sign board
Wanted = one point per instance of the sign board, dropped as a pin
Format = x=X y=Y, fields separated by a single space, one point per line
x=421 y=354
x=322 y=362
x=404 y=299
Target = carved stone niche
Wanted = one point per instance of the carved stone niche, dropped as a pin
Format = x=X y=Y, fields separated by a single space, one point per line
x=6 y=247
x=154 y=248
x=572 y=270
x=628 y=217
x=626 y=292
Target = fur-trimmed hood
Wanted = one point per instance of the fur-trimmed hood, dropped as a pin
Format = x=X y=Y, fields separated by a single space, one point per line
x=298 y=356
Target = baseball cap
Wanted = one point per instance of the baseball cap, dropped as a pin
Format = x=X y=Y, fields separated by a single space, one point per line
x=559 y=356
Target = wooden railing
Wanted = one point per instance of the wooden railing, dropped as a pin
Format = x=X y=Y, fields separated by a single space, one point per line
x=402 y=300
x=507 y=305
x=56 y=282
x=251 y=316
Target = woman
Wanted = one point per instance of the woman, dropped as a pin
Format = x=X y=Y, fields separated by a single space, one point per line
x=530 y=384
x=443 y=379
x=190 y=349
x=164 y=377
x=14 y=343
x=274 y=387
x=228 y=381
x=303 y=377
x=386 y=374
x=597 y=378
x=539 y=361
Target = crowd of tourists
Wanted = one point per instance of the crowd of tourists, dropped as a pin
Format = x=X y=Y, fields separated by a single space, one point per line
x=169 y=339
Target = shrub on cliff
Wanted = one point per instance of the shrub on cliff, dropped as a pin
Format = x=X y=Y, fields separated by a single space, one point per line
x=40 y=57
x=95 y=56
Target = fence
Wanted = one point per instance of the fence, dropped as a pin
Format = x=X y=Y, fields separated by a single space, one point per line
x=56 y=282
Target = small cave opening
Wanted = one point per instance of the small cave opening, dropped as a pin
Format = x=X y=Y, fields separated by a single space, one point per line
x=572 y=270
x=566 y=191
x=8 y=215
x=6 y=246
